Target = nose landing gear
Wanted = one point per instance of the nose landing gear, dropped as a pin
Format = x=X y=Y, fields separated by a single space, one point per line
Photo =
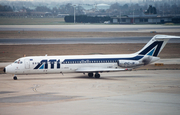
x=15 y=78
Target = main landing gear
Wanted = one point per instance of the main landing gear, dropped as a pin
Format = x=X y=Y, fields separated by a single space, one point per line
x=97 y=75
x=15 y=78
x=90 y=74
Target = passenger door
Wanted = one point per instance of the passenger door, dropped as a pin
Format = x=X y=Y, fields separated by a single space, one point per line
x=27 y=63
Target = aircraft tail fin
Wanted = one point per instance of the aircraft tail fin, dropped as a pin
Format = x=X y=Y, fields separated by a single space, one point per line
x=155 y=45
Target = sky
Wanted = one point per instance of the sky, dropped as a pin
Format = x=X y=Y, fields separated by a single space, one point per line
x=76 y=0
x=82 y=1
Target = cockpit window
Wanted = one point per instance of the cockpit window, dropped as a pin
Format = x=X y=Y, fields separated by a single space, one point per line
x=18 y=62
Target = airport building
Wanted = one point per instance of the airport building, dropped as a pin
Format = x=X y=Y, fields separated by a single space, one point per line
x=150 y=19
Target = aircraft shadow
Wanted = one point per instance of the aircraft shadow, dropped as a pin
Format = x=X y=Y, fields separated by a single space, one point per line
x=107 y=77
x=83 y=77
x=53 y=78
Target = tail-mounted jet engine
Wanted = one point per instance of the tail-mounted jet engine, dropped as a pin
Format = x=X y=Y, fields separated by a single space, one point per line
x=128 y=63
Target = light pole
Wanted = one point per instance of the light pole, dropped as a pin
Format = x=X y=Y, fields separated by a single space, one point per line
x=120 y=16
x=74 y=14
x=133 y=16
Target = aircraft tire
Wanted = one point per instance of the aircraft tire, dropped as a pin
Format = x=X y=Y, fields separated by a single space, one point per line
x=90 y=74
x=15 y=78
x=97 y=75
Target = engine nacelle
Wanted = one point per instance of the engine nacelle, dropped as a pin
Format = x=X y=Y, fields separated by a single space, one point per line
x=128 y=63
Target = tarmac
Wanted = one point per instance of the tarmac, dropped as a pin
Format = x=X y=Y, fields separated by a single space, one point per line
x=152 y=92
x=92 y=28
x=108 y=40
x=139 y=92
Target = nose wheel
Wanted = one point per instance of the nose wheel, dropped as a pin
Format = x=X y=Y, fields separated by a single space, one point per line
x=15 y=78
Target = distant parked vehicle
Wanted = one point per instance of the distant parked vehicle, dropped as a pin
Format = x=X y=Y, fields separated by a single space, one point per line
x=107 y=22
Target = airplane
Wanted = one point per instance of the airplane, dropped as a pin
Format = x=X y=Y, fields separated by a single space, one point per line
x=91 y=64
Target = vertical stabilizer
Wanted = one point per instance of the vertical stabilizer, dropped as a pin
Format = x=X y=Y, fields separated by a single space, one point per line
x=155 y=45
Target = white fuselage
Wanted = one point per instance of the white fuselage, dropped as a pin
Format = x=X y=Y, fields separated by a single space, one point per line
x=63 y=64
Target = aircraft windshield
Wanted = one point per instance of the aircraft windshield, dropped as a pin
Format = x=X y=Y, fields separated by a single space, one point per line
x=18 y=62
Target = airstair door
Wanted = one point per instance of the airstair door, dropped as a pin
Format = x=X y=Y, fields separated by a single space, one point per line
x=27 y=63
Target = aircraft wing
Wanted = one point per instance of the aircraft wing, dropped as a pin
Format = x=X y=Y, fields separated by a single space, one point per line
x=88 y=69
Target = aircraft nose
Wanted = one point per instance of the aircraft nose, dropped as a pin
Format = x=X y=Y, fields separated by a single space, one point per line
x=4 y=70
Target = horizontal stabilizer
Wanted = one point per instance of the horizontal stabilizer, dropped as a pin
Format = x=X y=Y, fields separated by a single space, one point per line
x=165 y=37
